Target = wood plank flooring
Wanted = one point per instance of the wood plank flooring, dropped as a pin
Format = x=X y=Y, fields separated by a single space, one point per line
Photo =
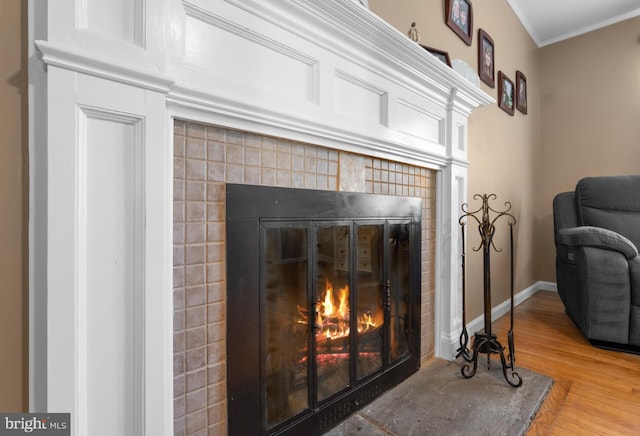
x=596 y=392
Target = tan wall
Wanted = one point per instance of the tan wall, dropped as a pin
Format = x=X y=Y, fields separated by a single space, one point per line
x=591 y=117
x=503 y=149
x=13 y=207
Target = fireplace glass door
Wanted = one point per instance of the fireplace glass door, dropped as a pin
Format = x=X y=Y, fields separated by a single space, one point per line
x=335 y=308
x=323 y=305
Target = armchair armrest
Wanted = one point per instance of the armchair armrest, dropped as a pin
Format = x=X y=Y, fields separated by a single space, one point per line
x=597 y=237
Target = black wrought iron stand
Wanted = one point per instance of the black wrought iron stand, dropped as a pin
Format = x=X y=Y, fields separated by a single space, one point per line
x=486 y=342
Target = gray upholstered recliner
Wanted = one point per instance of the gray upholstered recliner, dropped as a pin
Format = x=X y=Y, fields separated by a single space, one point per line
x=597 y=235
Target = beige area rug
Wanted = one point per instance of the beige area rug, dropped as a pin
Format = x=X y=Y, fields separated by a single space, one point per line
x=438 y=400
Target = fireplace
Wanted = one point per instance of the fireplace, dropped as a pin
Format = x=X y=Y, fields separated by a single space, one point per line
x=323 y=304
x=362 y=108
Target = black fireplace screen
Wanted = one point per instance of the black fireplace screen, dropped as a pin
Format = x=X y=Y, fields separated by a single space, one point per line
x=323 y=304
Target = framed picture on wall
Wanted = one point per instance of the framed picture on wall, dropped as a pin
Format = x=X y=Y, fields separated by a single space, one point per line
x=486 y=58
x=506 y=93
x=459 y=17
x=521 y=92
x=442 y=55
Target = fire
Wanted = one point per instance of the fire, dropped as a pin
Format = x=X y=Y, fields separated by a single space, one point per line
x=332 y=317
x=365 y=322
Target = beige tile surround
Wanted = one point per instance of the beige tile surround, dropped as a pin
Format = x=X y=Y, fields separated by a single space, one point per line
x=205 y=158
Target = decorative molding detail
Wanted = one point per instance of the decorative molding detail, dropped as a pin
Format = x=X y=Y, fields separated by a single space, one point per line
x=220 y=23
x=380 y=109
x=200 y=105
x=136 y=292
x=65 y=57
x=136 y=10
x=429 y=118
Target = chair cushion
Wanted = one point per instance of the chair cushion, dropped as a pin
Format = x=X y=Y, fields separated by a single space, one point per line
x=612 y=203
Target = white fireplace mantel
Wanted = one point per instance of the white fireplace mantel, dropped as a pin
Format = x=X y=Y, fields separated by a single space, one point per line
x=112 y=77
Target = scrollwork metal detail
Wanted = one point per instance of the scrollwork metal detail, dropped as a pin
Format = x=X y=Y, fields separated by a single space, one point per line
x=486 y=342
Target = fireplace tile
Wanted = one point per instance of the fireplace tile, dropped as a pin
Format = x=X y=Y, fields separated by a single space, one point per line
x=196 y=149
x=216 y=413
x=297 y=180
x=179 y=340
x=252 y=156
x=179 y=407
x=268 y=176
x=215 y=171
x=197 y=421
x=178 y=168
x=195 y=316
x=269 y=159
x=178 y=298
x=195 y=359
x=234 y=137
x=216 y=352
x=235 y=173
x=235 y=153
x=215 y=252
x=252 y=175
x=179 y=128
x=216 y=152
x=269 y=143
x=195 y=233
x=195 y=191
x=216 y=373
x=215 y=313
x=196 y=400
x=216 y=292
x=194 y=275
x=218 y=134
x=195 y=254
x=195 y=169
x=216 y=332
x=195 y=296
x=216 y=393
x=215 y=192
x=297 y=163
x=195 y=130
x=178 y=190
x=215 y=232
x=178 y=145
x=195 y=211
x=252 y=140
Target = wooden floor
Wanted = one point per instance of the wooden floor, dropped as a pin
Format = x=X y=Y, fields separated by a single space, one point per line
x=596 y=392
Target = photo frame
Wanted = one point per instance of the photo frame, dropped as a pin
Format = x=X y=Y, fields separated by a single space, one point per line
x=486 y=58
x=506 y=93
x=459 y=17
x=521 y=92
x=442 y=55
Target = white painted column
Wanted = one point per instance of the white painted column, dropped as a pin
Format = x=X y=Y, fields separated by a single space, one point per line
x=108 y=281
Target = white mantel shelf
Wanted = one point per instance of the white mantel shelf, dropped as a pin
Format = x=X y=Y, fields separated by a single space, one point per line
x=116 y=74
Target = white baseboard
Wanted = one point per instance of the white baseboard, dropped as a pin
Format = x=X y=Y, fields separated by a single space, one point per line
x=503 y=308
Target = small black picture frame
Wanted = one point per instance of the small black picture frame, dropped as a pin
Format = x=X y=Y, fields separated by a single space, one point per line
x=459 y=17
x=486 y=58
x=521 y=92
x=506 y=93
x=442 y=55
